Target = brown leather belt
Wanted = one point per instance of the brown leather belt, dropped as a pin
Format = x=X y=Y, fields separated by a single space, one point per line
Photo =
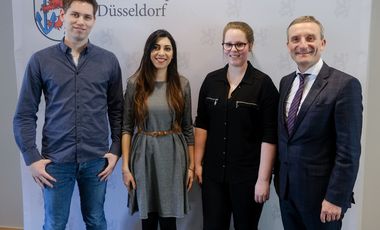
x=158 y=133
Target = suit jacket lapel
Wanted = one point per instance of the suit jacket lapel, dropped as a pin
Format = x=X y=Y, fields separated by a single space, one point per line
x=319 y=83
x=287 y=84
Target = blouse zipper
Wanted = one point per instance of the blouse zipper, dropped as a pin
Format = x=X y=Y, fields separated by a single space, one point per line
x=246 y=103
x=215 y=100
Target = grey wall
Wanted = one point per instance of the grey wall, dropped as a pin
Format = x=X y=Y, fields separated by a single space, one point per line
x=10 y=174
x=371 y=156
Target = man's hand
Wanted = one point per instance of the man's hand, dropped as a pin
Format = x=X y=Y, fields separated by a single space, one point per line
x=39 y=174
x=330 y=212
x=112 y=160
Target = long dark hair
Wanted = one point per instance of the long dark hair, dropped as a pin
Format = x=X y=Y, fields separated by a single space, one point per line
x=145 y=81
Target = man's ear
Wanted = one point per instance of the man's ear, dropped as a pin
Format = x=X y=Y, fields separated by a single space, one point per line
x=323 y=44
x=61 y=14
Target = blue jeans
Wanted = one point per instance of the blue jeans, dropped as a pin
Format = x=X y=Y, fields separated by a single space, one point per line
x=91 y=190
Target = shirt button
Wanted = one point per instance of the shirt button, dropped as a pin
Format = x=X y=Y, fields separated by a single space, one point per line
x=77 y=106
x=225 y=123
x=77 y=90
x=224 y=153
x=223 y=166
x=224 y=138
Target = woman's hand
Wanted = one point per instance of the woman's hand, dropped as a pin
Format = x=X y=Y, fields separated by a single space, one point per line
x=261 y=191
x=198 y=173
x=190 y=178
x=129 y=181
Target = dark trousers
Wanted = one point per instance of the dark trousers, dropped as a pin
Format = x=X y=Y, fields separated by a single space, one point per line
x=166 y=223
x=220 y=200
x=292 y=218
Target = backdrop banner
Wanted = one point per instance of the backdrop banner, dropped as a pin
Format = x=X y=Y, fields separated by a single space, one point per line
x=122 y=26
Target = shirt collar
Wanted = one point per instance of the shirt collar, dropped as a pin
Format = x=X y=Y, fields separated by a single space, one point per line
x=247 y=79
x=314 y=70
x=67 y=49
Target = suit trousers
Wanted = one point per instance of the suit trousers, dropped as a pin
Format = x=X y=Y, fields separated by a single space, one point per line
x=293 y=218
x=221 y=199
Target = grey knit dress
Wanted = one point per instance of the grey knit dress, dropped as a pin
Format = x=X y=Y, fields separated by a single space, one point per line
x=159 y=164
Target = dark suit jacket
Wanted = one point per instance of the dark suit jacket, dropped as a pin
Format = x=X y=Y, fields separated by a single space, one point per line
x=320 y=160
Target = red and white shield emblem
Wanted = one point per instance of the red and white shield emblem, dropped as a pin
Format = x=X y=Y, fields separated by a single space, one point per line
x=46 y=16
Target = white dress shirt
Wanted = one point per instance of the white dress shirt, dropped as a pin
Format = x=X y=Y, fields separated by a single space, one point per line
x=309 y=81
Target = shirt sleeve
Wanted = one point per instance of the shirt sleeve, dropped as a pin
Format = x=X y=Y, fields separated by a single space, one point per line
x=115 y=108
x=128 y=111
x=269 y=106
x=25 y=118
x=187 y=121
x=201 y=120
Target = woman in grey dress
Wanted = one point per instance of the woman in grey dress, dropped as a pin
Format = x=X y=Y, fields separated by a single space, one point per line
x=157 y=140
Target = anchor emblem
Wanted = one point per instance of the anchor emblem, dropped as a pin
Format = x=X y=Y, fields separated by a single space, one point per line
x=46 y=16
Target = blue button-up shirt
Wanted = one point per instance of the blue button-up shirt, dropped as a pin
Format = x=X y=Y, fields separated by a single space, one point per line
x=83 y=105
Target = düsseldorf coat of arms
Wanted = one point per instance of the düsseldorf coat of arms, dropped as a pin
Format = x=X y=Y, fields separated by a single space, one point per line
x=46 y=16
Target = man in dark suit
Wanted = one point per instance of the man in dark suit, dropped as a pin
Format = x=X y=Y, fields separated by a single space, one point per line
x=320 y=122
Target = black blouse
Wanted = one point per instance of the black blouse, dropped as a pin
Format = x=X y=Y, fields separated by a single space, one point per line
x=236 y=126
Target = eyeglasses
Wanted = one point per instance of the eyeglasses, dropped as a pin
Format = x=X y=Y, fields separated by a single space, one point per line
x=238 y=46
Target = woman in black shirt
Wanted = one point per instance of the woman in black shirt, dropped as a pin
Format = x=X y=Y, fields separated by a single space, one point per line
x=235 y=136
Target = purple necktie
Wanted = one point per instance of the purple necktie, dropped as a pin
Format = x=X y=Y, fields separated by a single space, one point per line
x=292 y=115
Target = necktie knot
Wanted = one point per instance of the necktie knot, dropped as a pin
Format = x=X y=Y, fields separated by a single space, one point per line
x=303 y=76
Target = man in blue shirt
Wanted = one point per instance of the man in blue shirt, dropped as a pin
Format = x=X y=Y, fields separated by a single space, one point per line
x=82 y=87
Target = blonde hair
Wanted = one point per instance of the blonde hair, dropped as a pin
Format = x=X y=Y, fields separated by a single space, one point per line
x=244 y=27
